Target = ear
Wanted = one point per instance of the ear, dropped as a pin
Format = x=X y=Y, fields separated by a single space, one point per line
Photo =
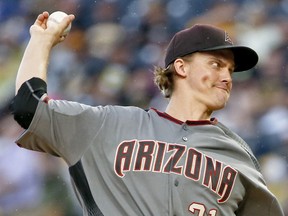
x=179 y=66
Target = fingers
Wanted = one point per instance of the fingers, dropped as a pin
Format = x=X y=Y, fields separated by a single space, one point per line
x=42 y=18
x=55 y=33
x=66 y=22
x=62 y=38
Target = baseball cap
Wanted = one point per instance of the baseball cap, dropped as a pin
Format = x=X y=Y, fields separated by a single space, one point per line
x=204 y=37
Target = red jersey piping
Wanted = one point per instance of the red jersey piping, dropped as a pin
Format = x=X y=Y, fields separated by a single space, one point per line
x=165 y=115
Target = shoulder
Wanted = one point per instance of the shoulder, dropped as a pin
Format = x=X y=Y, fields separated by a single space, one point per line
x=126 y=112
x=242 y=144
x=118 y=108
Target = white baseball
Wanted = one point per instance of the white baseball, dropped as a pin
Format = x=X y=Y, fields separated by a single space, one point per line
x=55 y=18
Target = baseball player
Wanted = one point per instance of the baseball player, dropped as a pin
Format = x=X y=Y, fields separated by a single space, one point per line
x=128 y=161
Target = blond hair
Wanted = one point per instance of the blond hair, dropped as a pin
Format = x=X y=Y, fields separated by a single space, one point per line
x=164 y=77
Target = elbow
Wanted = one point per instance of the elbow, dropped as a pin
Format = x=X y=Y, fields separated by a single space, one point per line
x=23 y=106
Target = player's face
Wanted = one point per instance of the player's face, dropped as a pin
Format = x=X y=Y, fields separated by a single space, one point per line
x=209 y=78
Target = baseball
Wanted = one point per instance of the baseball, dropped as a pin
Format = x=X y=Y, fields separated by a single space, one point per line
x=55 y=18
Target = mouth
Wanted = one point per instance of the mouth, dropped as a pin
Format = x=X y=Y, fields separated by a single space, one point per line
x=223 y=87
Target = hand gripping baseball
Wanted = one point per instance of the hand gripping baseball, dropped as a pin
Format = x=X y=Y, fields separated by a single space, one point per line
x=53 y=33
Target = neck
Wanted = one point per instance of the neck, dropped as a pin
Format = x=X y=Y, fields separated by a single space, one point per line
x=183 y=110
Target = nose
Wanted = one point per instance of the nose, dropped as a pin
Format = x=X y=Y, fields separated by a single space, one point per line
x=226 y=79
x=226 y=75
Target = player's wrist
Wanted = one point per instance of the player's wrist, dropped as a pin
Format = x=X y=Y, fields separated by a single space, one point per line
x=41 y=42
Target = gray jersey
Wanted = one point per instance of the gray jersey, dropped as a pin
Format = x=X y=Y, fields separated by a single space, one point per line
x=128 y=161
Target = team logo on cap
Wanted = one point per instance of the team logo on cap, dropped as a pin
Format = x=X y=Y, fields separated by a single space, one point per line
x=227 y=38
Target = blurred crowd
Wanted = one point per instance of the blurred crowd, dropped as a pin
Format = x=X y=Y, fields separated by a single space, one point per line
x=109 y=57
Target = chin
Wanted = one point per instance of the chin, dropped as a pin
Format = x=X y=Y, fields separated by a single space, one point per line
x=220 y=103
x=216 y=107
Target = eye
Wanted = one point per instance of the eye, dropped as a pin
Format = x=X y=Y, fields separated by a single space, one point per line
x=215 y=64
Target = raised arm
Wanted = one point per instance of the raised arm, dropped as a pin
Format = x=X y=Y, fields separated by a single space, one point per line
x=31 y=78
x=36 y=56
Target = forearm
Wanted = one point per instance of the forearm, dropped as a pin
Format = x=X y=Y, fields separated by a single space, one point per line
x=35 y=61
x=36 y=56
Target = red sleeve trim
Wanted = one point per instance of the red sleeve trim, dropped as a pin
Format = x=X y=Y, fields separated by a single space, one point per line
x=46 y=99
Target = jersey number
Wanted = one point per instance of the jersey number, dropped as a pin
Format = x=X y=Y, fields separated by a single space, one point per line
x=201 y=209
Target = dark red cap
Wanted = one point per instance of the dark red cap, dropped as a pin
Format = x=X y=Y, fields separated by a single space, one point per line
x=209 y=38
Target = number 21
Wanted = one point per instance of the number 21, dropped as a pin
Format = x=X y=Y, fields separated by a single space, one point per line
x=201 y=209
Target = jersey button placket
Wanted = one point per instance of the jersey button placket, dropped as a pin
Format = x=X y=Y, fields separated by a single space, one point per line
x=185 y=128
x=176 y=183
x=185 y=139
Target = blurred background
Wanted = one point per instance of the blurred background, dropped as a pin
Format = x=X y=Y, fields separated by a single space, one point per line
x=109 y=57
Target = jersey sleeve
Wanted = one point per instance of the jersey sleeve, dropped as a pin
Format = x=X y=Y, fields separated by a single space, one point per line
x=24 y=104
x=259 y=201
x=63 y=128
